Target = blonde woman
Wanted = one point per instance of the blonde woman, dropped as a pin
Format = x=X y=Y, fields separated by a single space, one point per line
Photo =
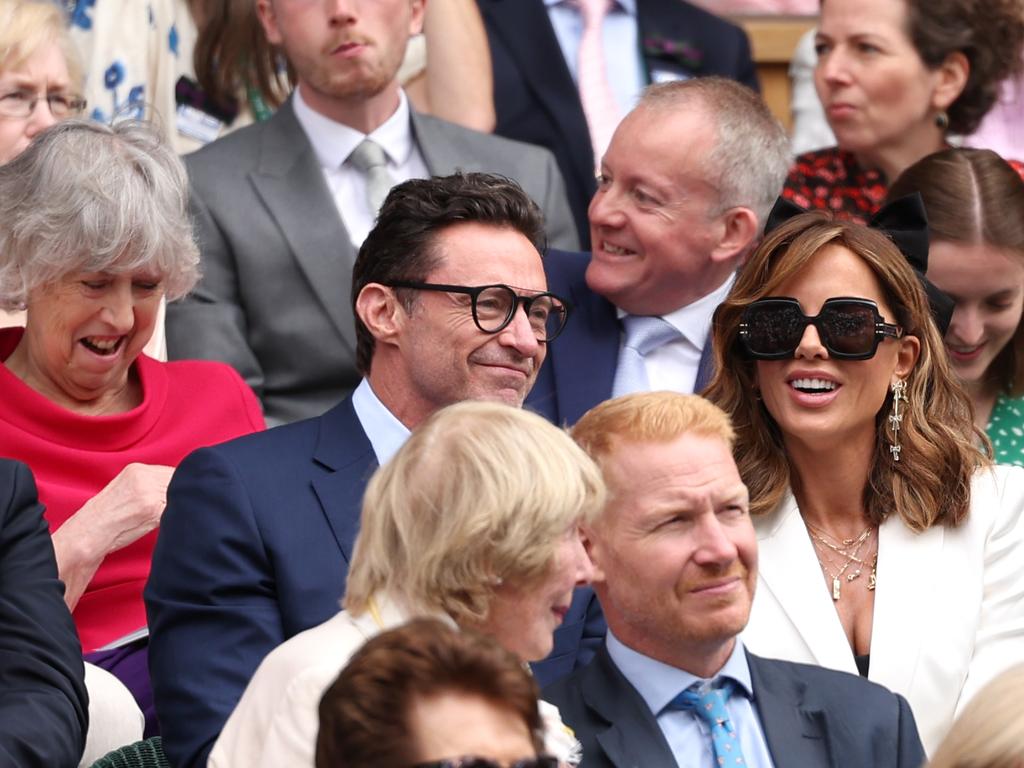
x=474 y=521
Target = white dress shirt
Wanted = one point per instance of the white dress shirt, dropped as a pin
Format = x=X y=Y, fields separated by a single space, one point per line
x=385 y=432
x=674 y=366
x=333 y=143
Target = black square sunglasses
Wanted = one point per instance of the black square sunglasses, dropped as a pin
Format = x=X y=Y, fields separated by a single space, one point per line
x=849 y=328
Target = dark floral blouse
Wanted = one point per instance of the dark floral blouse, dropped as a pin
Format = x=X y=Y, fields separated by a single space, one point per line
x=831 y=179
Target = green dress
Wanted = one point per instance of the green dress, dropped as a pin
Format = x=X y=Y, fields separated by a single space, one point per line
x=1006 y=430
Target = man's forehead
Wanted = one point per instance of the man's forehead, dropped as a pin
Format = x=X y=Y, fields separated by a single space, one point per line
x=487 y=253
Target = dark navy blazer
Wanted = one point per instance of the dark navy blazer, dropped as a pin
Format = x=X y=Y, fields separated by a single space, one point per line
x=536 y=99
x=811 y=717
x=254 y=548
x=43 y=703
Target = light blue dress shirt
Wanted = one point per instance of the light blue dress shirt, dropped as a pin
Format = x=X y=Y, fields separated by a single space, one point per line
x=687 y=735
x=386 y=433
x=623 y=62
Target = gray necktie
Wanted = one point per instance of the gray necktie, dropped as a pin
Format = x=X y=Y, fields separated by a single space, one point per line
x=643 y=335
x=369 y=159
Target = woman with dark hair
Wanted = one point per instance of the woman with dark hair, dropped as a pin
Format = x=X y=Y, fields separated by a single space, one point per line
x=896 y=77
x=430 y=696
x=888 y=543
x=975 y=206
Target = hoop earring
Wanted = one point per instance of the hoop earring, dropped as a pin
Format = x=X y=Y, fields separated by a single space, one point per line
x=899 y=394
x=942 y=121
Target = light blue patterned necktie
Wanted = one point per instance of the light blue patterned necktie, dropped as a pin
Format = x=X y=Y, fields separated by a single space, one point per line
x=643 y=335
x=709 y=706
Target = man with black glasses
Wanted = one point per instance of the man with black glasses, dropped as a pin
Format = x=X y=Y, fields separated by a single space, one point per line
x=451 y=304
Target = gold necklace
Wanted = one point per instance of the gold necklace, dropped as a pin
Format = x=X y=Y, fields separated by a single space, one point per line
x=849 y=550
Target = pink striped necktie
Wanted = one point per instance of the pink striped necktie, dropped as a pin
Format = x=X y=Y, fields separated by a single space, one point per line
x=592 y=78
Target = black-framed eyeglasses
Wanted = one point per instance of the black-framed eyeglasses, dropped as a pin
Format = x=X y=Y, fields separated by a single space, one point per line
x=494 y=306
x=21 y=102
x=849 y=328
x=543 y=761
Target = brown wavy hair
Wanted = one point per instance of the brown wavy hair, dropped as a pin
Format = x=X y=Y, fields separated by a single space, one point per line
x=930 y=484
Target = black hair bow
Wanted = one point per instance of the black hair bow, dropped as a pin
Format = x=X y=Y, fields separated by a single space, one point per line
x=903 y=221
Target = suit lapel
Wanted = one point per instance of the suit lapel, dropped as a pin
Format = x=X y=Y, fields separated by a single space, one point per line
x=906 y=600
x=343 y=447
x=633 y=736
x=584 y=376
x=789 y=570
x=796 y=732
x=291 y=184
x=526 y=32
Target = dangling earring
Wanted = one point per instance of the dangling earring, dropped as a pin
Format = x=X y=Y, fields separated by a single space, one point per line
x=899 y=394
x=942 y=121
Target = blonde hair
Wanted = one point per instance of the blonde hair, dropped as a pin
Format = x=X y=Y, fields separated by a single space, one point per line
x=26 y=26
x=657 y=417
x=931 y=482
x=480 y=494
x=990 y=731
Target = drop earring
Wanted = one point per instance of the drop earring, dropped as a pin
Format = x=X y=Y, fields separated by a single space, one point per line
x=899 y=395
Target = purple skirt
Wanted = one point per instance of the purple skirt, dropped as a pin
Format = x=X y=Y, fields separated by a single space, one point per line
x=130 y=664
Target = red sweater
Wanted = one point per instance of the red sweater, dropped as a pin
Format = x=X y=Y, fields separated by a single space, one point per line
x=186 y=405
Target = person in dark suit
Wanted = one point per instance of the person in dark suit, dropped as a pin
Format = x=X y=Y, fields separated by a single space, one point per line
x=675 y=558
x=686 y=185
x=282 y=206
x=43 y=700
x=257 y=536
x=534 y=59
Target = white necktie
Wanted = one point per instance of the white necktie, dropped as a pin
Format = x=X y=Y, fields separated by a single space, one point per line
x=369 y=159
x=643 y=335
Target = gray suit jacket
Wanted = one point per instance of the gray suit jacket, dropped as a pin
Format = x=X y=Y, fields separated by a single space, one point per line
x=277 y=262
x=811 y=718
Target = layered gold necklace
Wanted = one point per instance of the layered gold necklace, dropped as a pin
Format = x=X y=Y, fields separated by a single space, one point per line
x=837 y=557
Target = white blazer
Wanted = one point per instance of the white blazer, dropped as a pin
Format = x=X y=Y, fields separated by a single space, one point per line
x=277 y=719
x=949 y=604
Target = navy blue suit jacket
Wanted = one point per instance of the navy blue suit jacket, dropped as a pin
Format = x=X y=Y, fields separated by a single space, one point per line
x=43 y=702
x=536 y=99
x=811 y=717
x=254 y=548
x=579 y=370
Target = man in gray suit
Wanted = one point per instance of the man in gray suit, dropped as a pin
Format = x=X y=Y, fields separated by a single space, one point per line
x=282 y=206
x=675 y=559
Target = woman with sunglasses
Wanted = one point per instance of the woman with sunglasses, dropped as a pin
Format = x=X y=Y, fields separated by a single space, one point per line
x=975 y=205
x=889 y=545
x=474 y=522
x=429 y=696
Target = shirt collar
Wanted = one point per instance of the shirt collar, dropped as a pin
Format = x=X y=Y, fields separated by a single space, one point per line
x=658 y=683
x=626 y=6
x=694 y=320
x=333 y=142
x=385 y=432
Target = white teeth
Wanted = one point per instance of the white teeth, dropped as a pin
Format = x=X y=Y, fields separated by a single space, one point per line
x=614 y=249
x=813 y=385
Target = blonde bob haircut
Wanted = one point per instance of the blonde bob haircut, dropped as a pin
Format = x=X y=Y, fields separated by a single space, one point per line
x=647 y=417
x=990 y=731
x=26 y=26
x=931 y=483
x=480 y=495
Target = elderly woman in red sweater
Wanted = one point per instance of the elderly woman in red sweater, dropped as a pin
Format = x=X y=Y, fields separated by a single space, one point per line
x=93 y=233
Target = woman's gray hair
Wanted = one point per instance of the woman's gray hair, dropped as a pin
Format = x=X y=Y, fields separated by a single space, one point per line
x=87 y=197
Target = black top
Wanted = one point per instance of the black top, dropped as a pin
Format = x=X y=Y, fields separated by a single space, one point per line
x=862 y=664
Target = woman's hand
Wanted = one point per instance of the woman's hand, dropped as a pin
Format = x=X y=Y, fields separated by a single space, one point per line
x=129 y=507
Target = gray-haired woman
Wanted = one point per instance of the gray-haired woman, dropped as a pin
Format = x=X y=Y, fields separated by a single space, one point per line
x=93 y=234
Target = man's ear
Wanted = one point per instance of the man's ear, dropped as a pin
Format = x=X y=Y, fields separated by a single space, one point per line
x=591 y=543
x=737 y=235
x=268 y=20
x=381 y=312
x=416 y=19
